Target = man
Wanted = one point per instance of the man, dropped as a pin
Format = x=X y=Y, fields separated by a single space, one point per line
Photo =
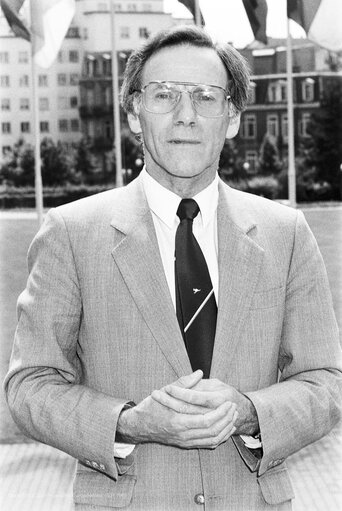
x=105 y=366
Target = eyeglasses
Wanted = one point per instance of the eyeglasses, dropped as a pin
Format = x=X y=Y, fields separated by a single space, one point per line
x=160 y=97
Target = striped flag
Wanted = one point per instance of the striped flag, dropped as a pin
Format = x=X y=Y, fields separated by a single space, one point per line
x=49 y=22
x=257 y=13
x=321 y=20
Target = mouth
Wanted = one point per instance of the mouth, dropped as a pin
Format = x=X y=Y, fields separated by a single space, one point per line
x=181 y=141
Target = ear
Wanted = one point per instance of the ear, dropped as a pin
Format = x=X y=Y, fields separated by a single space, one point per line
x=233 y=127
x=134 y=123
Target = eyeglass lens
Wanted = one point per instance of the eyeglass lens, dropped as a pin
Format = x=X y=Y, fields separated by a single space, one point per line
x=207 y=100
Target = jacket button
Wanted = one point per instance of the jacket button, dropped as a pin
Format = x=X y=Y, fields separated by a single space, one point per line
x=199 y=498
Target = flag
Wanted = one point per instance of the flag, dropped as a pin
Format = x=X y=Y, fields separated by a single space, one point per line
x=50 y=20
x=257 y=13
x=190 y=5
x=321 y=20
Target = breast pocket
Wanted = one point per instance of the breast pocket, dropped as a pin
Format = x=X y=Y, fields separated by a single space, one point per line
x=268 y=299
x=92 y=488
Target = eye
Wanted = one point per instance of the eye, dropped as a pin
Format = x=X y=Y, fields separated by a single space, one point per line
x=164 y=95
x=205 y=96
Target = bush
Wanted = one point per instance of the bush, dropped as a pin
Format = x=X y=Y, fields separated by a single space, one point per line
x=265 y=186
x=11 y=197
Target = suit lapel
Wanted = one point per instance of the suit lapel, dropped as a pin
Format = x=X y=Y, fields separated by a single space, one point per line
x=136 y=253
x=239 y=260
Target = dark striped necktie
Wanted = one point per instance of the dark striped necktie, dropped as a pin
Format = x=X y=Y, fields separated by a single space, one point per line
x=195 y=300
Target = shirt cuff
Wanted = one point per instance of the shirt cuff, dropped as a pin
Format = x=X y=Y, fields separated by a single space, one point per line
x=122 y=450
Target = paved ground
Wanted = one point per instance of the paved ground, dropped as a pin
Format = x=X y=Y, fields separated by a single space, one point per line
x=34 y=477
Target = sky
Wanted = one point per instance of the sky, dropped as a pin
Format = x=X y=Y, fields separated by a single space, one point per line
x=226 y=20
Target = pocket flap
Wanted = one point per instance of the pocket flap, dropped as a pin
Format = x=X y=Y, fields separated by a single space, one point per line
x=94 y=488
x=276 y=486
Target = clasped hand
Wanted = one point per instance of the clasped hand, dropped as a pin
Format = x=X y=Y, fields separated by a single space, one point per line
x=190 y=413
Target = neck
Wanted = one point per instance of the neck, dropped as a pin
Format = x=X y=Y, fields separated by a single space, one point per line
x=184 y=187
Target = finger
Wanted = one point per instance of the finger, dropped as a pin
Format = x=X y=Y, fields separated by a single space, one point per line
x=216 y=432
x=205 y=422
x=177 y=405
x=195 y=397
x=190 y=380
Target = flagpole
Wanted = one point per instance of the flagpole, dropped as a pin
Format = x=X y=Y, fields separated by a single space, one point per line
x=290 y=121
x=36 y=134
x=116 y=105
x=198 y=21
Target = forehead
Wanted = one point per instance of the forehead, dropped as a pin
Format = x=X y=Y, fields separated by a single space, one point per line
x=185 y=63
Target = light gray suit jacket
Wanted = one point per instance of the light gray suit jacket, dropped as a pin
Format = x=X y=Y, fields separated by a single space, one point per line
x=97 y=328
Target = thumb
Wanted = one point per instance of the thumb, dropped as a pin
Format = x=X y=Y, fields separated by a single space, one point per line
x=190 y=380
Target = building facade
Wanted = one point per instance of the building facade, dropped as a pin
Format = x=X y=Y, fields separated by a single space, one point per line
x=74 y=94
x=315 y=70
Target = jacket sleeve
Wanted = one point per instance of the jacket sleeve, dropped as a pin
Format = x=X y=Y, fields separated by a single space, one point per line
x=44 y=388
x=306 y=402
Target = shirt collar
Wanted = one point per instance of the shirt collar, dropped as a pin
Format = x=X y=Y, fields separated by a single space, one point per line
x=164 y=203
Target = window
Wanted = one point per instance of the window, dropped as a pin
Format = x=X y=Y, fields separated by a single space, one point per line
x=62 y=103
x=42 y=81
x=74 y=79
x=124 y=32
x=43 y=104
x=60 y=56
x=6 y=149
x=102 y=6
x=24 y=81
x=303 y=125
x=61 y=79
x=4 y=57
x=251 y=93
x=272 y=125
x=44 y=127
x=284 y=127
x=63 y=125
x=85 y=33
x=24 y=104
x=6 y=127
x=73 y=56
x=248 y=126
x=277 y=92
x=23 y=57
x=4 y=81
x=107 y=64
x=25 y=127
x=252 y=160
x=74 y=124
x=5 y=104
x=73 y=102
x=147 y=7
x=308 y=89
x=131 y=7
x=143 y=33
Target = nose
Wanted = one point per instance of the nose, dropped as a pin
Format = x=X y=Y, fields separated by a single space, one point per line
x=184 y=113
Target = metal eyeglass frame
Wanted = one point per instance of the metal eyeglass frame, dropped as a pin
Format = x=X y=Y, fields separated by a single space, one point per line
x=190 y=92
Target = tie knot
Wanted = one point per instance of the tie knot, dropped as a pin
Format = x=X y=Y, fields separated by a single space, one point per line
x=187 y=209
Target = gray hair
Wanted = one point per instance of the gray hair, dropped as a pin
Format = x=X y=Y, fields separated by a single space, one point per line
x=234 y=63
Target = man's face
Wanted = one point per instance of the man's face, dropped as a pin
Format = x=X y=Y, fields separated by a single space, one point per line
x=181 y=147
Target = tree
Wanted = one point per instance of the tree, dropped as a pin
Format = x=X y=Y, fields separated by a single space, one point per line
x=132 y=154
x=231 y=162
x=324 y=147
x=55 y=168
x=269 y=162
x=84 y=162
x=17 y=168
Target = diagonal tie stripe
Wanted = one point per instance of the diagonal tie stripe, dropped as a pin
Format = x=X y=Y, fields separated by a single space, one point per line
x=195 y=301
x=186 y=328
